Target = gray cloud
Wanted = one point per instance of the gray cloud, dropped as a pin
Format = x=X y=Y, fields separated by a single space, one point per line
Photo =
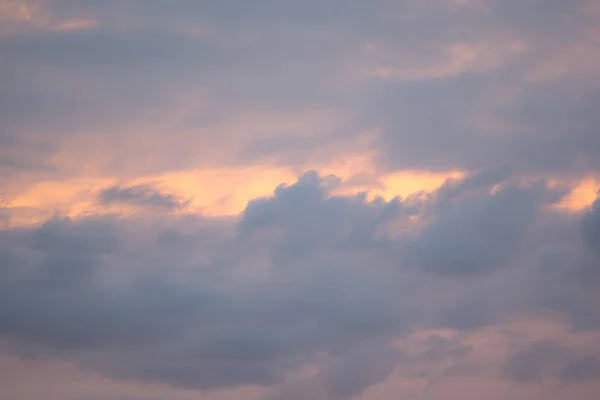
x=141 y=195
x=590 y=226
x=311 y=220
x=426 y=126
x=303 y=278
x=540 y=360
x=548 y=359
x=480 y=234
x=430 y=123
x=301 y=275
x=567 y=267
x=581 y=370
x=359 y=370
x=196 y=324
x=476 y=229
x=499 y=106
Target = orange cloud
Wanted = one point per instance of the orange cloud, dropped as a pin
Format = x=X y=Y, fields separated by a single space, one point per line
x=582 y=196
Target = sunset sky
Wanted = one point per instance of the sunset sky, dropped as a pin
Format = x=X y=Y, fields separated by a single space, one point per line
x=299 y=200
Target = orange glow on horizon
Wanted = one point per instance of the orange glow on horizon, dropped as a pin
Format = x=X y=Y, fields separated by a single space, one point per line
x=226 y=191
x=218 y=191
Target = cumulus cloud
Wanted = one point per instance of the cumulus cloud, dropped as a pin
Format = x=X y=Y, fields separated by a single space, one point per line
x=302 y=278
x=479 y=234
x=568 y=270
x=73 y=288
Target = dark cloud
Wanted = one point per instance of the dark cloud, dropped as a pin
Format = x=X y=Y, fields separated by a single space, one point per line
x=581 y=370
x=547 y=359
x=568 y=273
x=483 y=180
x=157 y=312
x=303 y=274
x=540 y=360
x=483 y=231
x=141 y=196
x=308 y=219
x=427 y=125
x=590 y=226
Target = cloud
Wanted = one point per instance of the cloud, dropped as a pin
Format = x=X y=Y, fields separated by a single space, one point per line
x=477 y=119
x=315 y=290
x=302 y=278
x=482 y=231
x=590 y=226
x=534 y=363
x=480 y=235
x=493 y=109
x=348 y=376
x=141 y=196
x=581 y=370
x=548 y=359
x=568 y=266
x=121 y=398
x=310 y=219
x=215 y=318
x=434 y=125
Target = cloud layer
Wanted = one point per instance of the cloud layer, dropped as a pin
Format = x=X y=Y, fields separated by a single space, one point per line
x=440 y=237
x=303 y=279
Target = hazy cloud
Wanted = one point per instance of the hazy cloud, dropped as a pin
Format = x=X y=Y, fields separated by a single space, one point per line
x=315 y=290
x=486 y=83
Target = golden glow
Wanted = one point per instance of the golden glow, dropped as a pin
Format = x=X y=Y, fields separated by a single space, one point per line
x=221 y=191
x=582 y=196
x=227 y=190
x=212 y=191
x=61 y=196
x=408 y=182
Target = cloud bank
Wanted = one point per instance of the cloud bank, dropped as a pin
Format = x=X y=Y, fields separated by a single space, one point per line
x=290 y=200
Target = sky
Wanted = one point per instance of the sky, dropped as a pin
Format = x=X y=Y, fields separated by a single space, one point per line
x=289 y=200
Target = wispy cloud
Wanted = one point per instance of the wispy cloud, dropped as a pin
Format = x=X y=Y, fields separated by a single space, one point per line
x=141 y=196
